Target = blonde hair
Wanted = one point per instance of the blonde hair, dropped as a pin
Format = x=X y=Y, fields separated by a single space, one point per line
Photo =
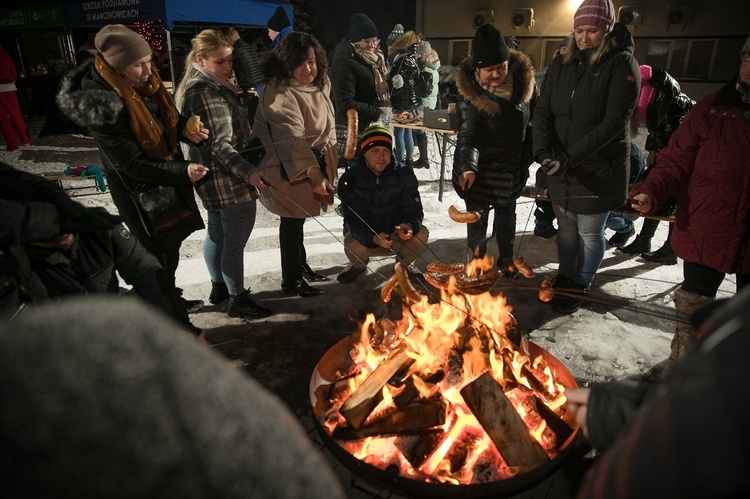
x=596 y=56
x=204 y=44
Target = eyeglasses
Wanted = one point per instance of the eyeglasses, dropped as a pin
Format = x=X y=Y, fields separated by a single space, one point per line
x=745 y=56
x=371 y=41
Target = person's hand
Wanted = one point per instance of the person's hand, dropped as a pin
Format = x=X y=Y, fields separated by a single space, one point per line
x=197 y=137
x=383 y=240
x=320 y=183
x=73 y=221
x=466 y=180
x=556 y=166
x=578 y=400
x=642 y=203
x=404 y=231
x=397 y=81
x=257 y=178
x=196 y=171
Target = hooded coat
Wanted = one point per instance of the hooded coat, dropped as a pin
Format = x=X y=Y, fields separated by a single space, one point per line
x=92 y=103
x=353 y=85
x=583 y=115
x=666 y=110
x=707 y=165
x=402 y=62
x=491 y=133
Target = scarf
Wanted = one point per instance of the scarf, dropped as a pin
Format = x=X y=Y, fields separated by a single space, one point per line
x=216 y=79
x=146 y=131
x=377 y=62
x=504 y=91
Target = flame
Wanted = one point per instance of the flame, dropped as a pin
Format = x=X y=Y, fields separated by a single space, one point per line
x=462 y=336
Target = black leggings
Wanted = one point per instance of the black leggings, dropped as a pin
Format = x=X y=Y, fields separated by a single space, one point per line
x=705 y=281
x=291 y=244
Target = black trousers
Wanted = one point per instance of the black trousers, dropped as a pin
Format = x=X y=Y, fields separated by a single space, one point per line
x=291 y=244
x=705 y=281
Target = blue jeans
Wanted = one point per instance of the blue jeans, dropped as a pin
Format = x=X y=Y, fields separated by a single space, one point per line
x=620 y=222
x=404 y=144
x=224 y=247
x=580 y=244
x=503 y=228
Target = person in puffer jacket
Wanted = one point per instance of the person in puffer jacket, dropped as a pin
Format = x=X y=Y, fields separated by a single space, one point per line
x=496 y=86
x=403 y=74
x=581 y=139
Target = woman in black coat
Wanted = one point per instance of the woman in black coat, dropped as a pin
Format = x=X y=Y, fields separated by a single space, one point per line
x=496 y=86
x=121 y=100
x=581 y=140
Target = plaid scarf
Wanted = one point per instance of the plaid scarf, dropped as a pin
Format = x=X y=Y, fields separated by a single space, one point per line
x=376 y=60
x=146 y=131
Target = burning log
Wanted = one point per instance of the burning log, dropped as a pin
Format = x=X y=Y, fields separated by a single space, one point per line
x=419 y=416
x=535 y=384
x=559 y=427
x=503 y=425
x=360 y=404
x=417 y=449
x=410 y=391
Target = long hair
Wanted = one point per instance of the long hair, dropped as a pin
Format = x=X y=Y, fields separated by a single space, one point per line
x=596 y=56
x=293 y=50
x=204 y=44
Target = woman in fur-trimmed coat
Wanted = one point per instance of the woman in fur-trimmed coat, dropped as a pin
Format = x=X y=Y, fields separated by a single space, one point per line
x=496 y=86
x=128 y=131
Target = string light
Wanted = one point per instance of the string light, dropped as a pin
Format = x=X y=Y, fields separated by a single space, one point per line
x=152 y=33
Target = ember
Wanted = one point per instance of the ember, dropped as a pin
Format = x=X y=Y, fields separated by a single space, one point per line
x=451 y=393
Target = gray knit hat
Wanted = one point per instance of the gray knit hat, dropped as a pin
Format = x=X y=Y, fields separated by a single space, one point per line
x=746 y=47
x=423 y=49
x=398 y=32
x=120 y=46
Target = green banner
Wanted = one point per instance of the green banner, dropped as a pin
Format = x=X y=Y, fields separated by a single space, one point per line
x=45 y=16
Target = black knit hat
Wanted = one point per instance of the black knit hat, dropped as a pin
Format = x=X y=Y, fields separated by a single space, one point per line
x=361 y=28
x=279 y=20
x=488 y=47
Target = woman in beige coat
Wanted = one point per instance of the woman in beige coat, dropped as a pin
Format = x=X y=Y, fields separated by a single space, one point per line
x=295 y=122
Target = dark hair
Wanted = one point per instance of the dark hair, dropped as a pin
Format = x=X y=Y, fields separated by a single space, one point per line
x=293 y=50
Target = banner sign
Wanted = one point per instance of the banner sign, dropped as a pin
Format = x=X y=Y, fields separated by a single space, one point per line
x=94 y=13
x=44 y=16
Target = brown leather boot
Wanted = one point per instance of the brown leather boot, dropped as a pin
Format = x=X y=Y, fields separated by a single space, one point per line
x=685 y=303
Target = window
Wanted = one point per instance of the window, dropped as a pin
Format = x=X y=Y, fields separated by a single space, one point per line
x=683 y=58
x=458 y=50
x=548 y=50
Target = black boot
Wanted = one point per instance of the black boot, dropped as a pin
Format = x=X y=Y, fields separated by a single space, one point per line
x=663 y=255
x=310 y=275
x=242 y=305
x=424 y=160
x=641 y=244
x=300 y=288
x=219 y=292
x=620 y=238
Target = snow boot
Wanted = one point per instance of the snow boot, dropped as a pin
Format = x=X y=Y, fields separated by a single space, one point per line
x=424 y=160
x=663 y=255
x=641 y=244
x=685 y=304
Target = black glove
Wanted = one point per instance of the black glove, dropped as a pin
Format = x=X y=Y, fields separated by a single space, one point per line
x=81 y=219
x=557 y=165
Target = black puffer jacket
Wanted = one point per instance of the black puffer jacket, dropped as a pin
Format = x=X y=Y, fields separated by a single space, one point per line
x=666 y=110
x=685 y=437
x=245 y=65
x=404 y=64
x=380 y=202
x=491 y=133
x=353 y=86
x=583 y=114
x=90 y=102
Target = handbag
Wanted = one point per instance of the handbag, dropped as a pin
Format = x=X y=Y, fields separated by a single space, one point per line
x=161 y=207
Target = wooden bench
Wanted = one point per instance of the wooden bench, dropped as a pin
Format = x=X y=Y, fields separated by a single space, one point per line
x=542 y=195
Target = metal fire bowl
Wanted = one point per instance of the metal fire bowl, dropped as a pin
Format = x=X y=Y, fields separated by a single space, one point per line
x=337 y=359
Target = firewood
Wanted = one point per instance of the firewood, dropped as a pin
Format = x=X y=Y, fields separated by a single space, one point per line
x=559 y=426
x=419 y=416
x=410 y=392
x=418 y=448
x=360 y=404
x=535 y=384
x=503 y=425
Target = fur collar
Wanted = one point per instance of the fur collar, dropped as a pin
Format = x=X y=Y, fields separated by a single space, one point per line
x=403 y=42
x=520 y=68
x=91 y=107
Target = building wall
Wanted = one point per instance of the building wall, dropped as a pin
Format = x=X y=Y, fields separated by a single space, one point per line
x=446 y=22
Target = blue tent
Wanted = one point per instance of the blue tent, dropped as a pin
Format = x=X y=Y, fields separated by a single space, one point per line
x=95 y=13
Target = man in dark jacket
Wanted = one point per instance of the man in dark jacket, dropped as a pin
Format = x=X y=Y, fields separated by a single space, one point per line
x=359 y=78
x=489 y=170
x=684 y=437
x=246 y=70
x=382 y=207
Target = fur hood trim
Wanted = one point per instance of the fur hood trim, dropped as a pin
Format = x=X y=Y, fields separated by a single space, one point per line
x=404 y=42
x=90 y=108
x=520 y=68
